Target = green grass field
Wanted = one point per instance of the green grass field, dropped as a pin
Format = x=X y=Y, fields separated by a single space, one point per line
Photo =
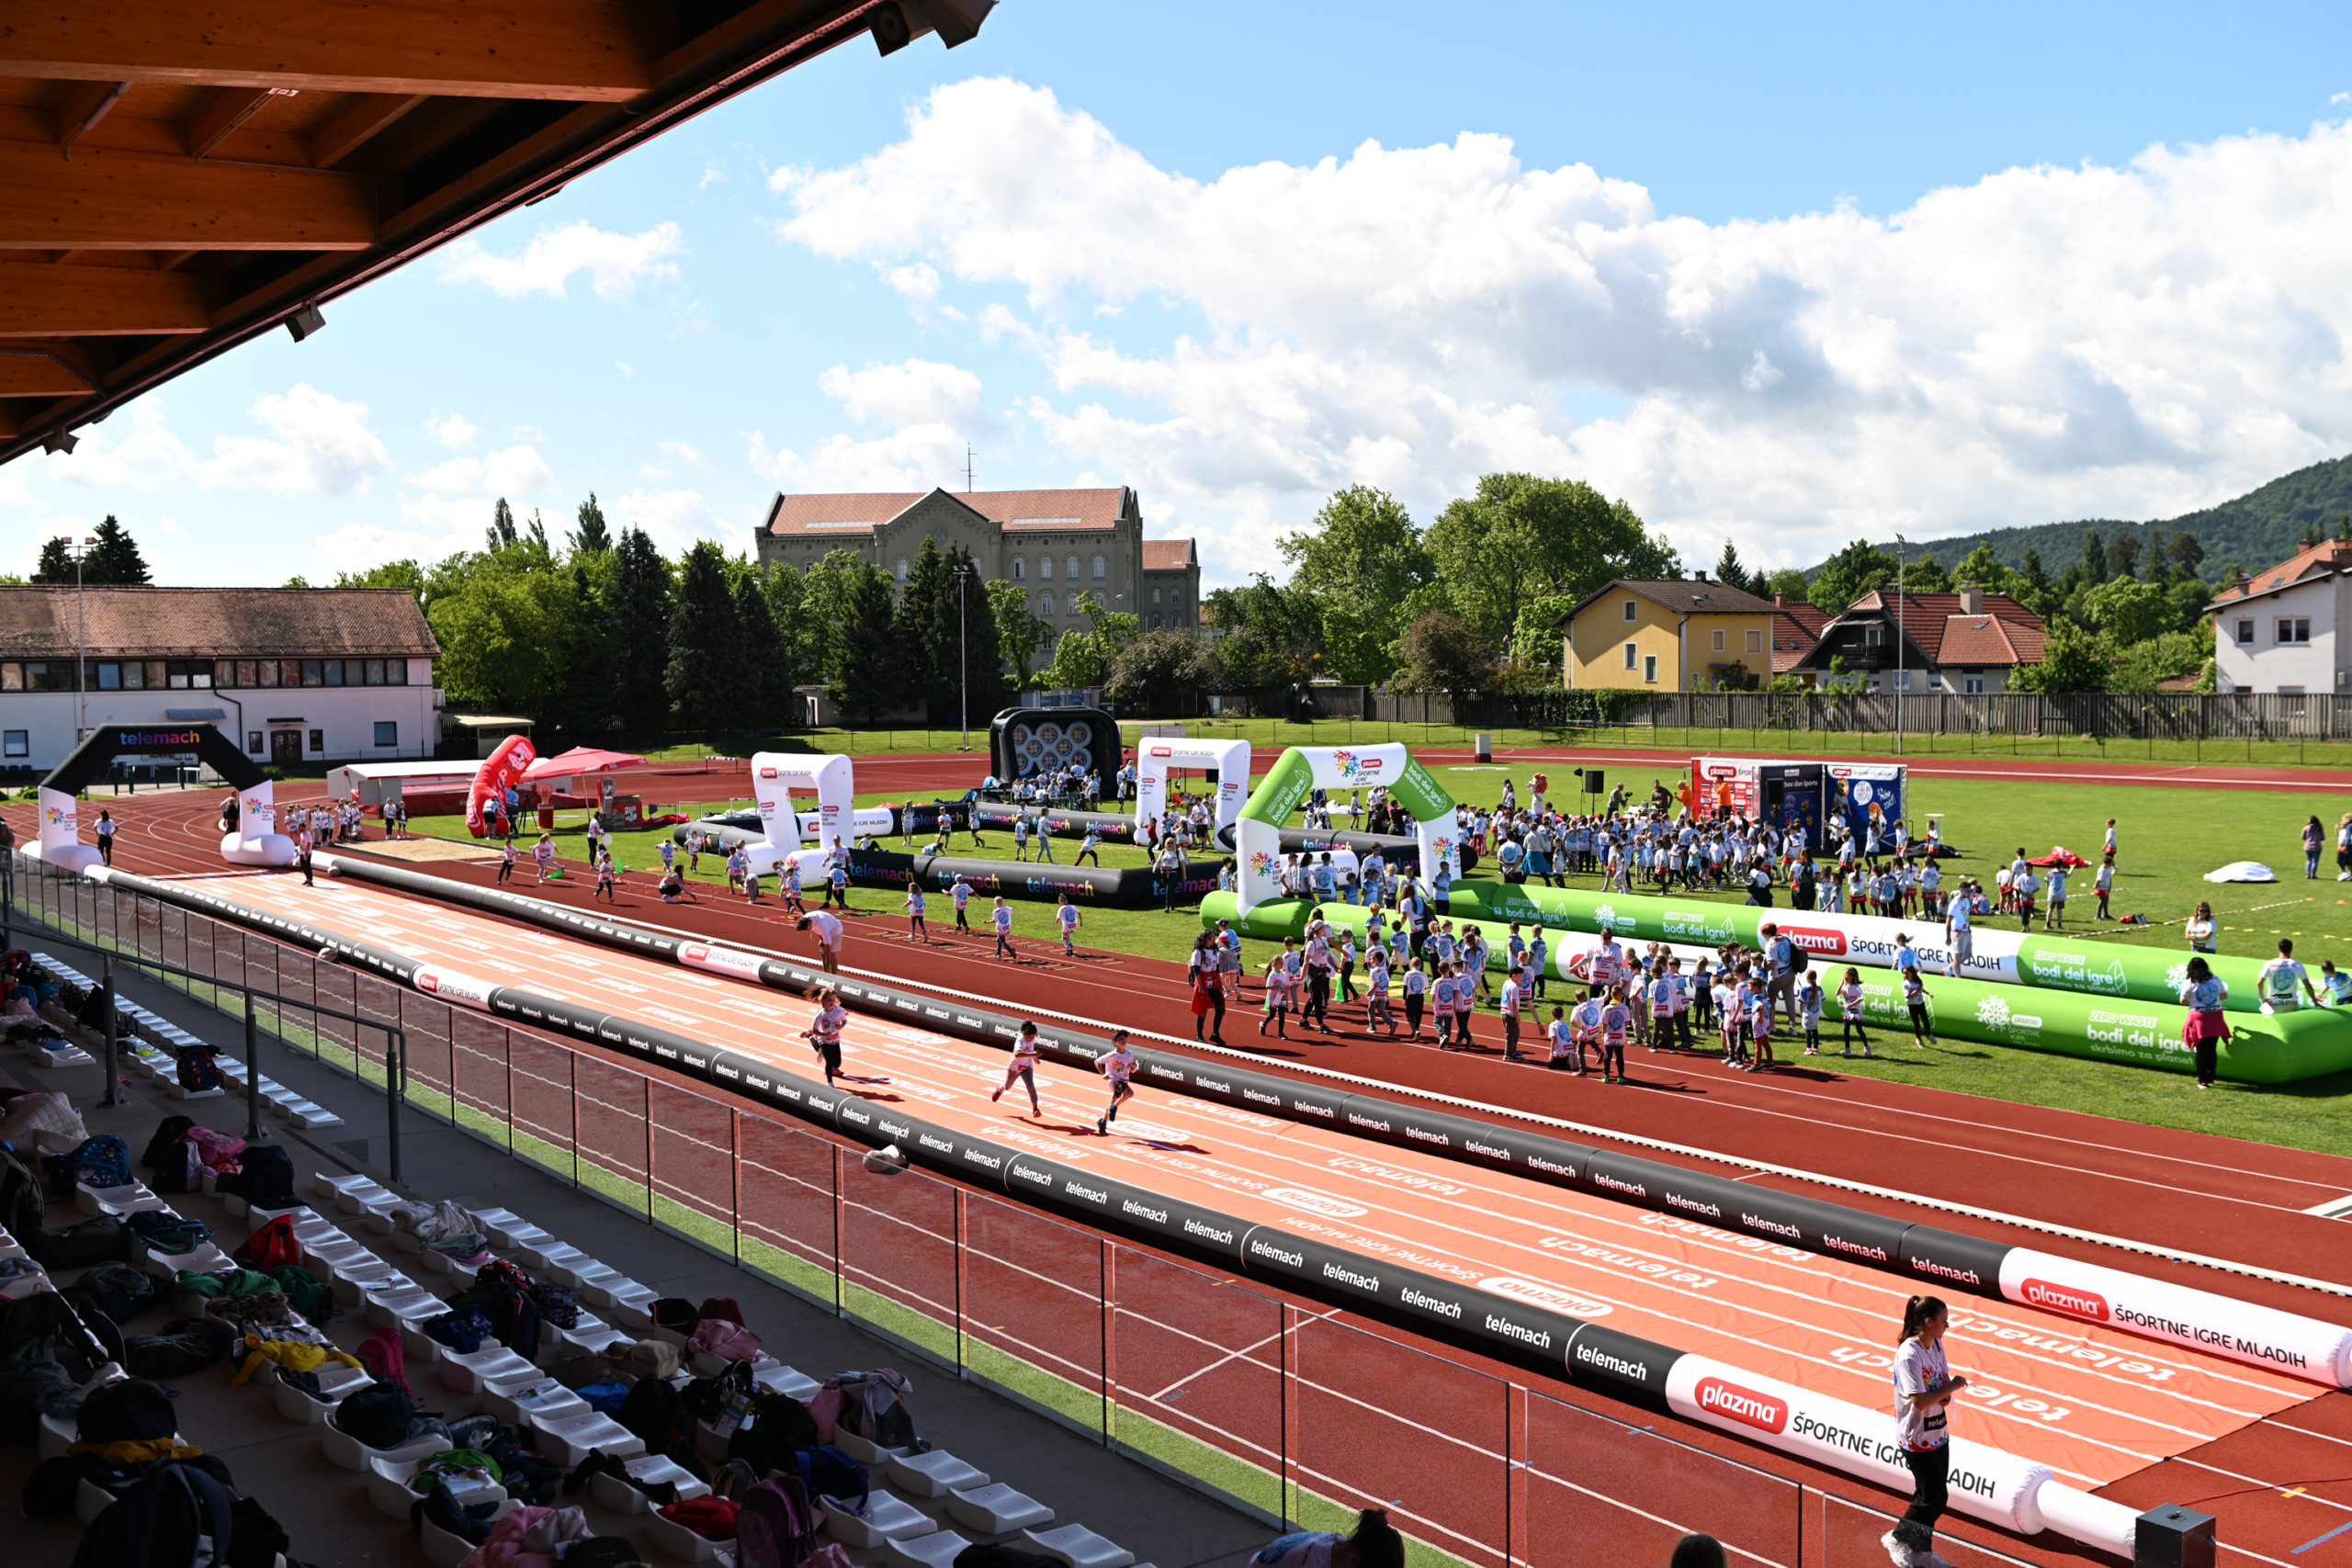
x=2169 y=838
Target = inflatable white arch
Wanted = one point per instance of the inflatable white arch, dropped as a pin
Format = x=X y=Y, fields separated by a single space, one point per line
x=256 y=840
x=1257 y=831
x=1154 y=755
x=775 y=775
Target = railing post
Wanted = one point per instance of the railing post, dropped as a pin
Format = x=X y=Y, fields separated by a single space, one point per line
x=114 y=1080
x=395 y=1062
x=254 y=1130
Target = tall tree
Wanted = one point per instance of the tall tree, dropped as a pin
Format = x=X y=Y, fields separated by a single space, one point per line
x=1020 y=631
x=2094 y=558
x=704 y=663
x=2124 y=555
x=502 y=525
x=763 y=669
x=925 y=627
x=1850 y=574
x=590 y=703
x=504 y=629
x=592 y=534
x=403 y=573
x=1730 y=572
x=1445 y=653
x=56 y=563
x=637 y=620
x=866 y=682
x=787 y=612
x=114 y=556
x=2186 y=554
x=2072 y=660
x=1519 y=537
x=1362 y=561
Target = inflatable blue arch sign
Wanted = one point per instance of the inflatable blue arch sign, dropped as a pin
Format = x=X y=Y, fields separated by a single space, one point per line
x=252 y=843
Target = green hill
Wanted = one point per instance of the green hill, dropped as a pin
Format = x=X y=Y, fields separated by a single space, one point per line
x=2257 y=529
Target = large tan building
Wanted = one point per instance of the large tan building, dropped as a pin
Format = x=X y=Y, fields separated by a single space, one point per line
x=1667 y=636
x=1058 y=544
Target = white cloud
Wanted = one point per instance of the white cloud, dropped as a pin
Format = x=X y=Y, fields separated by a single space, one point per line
x=913 y=391
x=628 y=371
x=917 y=457
x=674 y=518
x=454 y=430
x=319 y=445
x=679 y=450
x=511 y=471
x=2046 y=343
x=616 y=263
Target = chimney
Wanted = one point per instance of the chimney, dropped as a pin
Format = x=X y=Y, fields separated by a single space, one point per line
x=1972 y=600
x=1780 y=601
x=1700 y=576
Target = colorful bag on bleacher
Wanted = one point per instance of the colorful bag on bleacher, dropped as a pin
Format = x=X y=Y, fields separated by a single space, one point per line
x=177 y=1168
x=169 y=1130
x=464 y=1332
x=264 y=1178
x=271 y=1247
x=217 y=1151
x=103 y=1161
x=777 y=1525
x=198 y=1071
x=305 y=1293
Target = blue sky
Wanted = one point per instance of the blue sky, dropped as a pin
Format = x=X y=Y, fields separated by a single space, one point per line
x=1787 y=279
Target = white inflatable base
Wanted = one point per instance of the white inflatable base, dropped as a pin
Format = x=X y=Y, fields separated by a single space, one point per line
x=2094 y=1521
x=66 y=857
x=270 y=848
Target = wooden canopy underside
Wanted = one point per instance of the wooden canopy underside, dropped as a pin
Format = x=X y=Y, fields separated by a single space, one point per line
x=176 y=178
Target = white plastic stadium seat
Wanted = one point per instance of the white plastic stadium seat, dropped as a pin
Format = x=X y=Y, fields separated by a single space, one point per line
x=341 y=1449
x=675 y=1541
x=1078 y=1547
x=932 y=1474
x=997 y=1510
x=468 y=1373
x=646 y=1470
x=871 y=1455
x=887 y=1517
x=568 y=1439
x=515 y=1402
x=938 y=1550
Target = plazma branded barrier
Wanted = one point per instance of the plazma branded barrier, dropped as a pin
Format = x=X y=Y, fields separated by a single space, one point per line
x=1154 y=755
x=501 y=771
x=2263 y=1048
x=1302 y=769
x=254 y=841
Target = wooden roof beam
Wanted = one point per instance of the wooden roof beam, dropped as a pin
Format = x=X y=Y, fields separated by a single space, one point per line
x=45 y=370
x=355 y=122
x=111 y=200
x=222 y=111
x=87 y=103
x=576 y=50
x=40 y=299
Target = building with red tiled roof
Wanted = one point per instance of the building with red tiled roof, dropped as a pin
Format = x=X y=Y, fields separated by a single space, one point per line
x=2277 y=630
x=1967 y=642
x=1058 y=544
x=1795 y=628
x=296 y=675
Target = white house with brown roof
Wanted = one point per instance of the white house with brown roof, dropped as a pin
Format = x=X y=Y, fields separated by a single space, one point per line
x=2280 y=630
x=297 y=675
x=1967 y=642
x=1058 y=544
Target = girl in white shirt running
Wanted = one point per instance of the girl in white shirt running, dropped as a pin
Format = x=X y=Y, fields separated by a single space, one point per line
x=1925 y=1385
x=1022 y=1068
x=1117 y=1068
x=1849 y=1012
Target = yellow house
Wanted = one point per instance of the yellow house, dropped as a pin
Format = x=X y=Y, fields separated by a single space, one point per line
x=1665 y=637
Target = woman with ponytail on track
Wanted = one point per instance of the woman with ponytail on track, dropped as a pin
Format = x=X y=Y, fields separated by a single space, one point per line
x=1372 y=1544
x=1924 y=1388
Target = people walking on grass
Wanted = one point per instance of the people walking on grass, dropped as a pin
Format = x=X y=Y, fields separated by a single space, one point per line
x=1916 y=997
x=1851 y=1014
x=1759 y=1025
x=1925 y=1386
x=2023 y=886
x=2279 y=979
x=2103 y=884
x=2202 y=993
x=2313 y=837
x=2055 y=920
x=1022 y=1068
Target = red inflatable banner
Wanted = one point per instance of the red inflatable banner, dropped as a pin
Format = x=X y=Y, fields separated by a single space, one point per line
x=500 y=772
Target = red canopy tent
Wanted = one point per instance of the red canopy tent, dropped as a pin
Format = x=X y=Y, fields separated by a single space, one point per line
x=579 y=760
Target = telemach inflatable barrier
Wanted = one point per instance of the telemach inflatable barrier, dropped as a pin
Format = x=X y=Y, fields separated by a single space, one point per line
x=2302 y=1346
x=1511 y=1319
x=254 y=841
x=1118 y=829
x=1303 y=769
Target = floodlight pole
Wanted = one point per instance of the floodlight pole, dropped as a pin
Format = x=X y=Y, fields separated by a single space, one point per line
x=963 y=659
x=1901 y=677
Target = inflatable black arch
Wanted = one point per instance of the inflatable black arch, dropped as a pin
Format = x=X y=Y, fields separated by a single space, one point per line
x=1023 y=741
x=106 y=742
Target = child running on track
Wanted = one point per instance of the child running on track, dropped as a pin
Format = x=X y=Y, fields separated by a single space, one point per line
x=1118 y=1067
x=1066 y=917
x=915 y=928
x=1376 y=1013
x=824 y=1030
x=1022 y=1068
x=1000 y=918
x=1616 y=1023
x=1279 y=982
x=1563 y=1037
x=788 y=888
x=506 y=861
x=962 y=896
x=605 y=878
x=544 y=852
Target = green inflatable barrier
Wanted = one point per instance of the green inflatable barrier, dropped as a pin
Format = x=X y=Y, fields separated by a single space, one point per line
x=1696 y=921
x=2141 y=974
x=2263 y=1048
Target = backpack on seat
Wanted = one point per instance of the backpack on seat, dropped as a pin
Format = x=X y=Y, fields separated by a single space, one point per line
x=272 y=1246
x=197 y=1070
x=655 y=1411
x=175 y=1516
x=306 y=1294
x=129 y=1412
x=169 y=1130
x=264 y=1178
x=777 y=1527
x=22 y=1203
x=379 y=1415
x=102 y=1161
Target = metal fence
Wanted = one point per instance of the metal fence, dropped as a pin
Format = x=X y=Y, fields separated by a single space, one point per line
x=1258 y=1398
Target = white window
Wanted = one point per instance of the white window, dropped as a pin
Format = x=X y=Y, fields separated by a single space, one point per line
x=903 y=568
x=2294 y=631
x=2246 y=634
x=1154 y=595
x=1719 y=641
x=1755 y=642
x=253 y=741
x=1019 y=570
x=1631 y=654
x=1935 y=682
x=1870 y=636
x=1972 y=681
x=1046 y=568
x=1070 y=569
x=1649 y=669
x=1630 y=612
x=1098 y=569
x=1045 y=603
x=1903 y=680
